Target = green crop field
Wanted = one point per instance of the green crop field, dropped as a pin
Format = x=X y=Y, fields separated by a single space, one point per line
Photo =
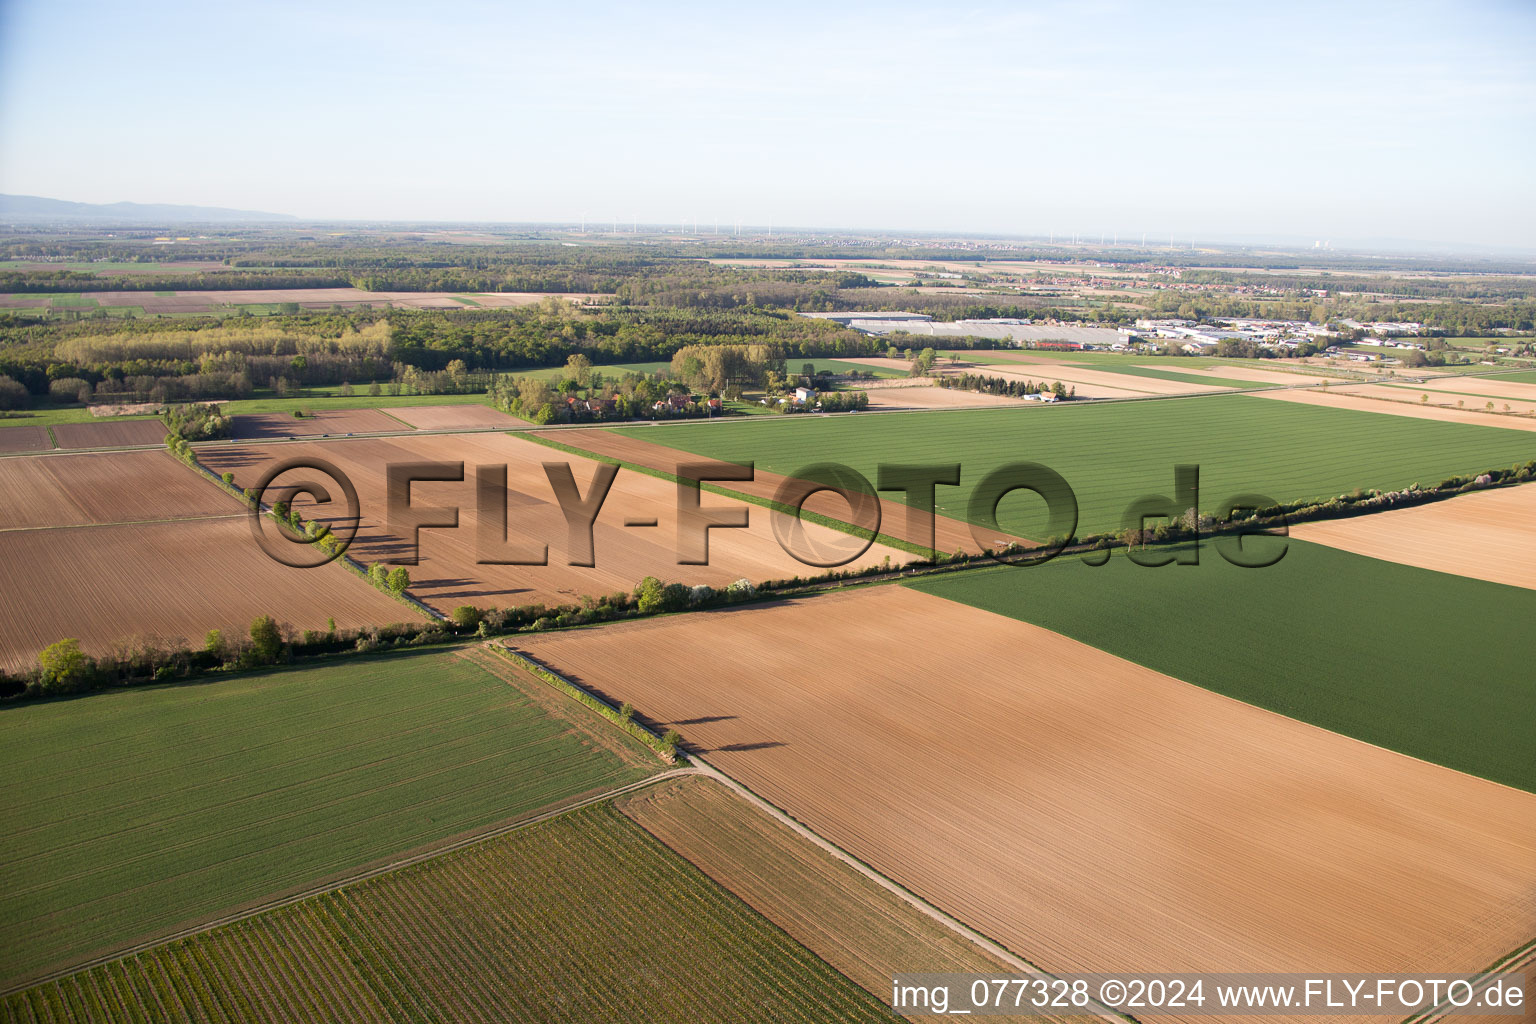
x=841 y=366
x=1526 y=377
x=585 y=917
x=318 y=401
x=1416 y=661
x=135 y=811
x=1113 y=453
x=48 y=416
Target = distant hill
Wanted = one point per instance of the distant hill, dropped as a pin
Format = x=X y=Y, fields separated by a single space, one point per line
x=37 y=209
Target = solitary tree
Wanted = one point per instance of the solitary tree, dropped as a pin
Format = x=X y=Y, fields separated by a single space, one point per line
x=399 y=580
x=65 y=667
x=266 y=640
x=578 y=368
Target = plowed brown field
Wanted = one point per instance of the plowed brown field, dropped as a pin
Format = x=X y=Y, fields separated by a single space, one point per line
x=25 y=439
x=110 y=487
x=454 y=417
x=1087 y=812
x=896 y=519
x=449 y=576
x=1488 y=535
x=109 y=433
x=267 y=426
x=315 y=298
x=169 y=581
x=934 y=398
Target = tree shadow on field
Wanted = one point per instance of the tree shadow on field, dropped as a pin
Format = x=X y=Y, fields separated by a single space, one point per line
x=702 y=721
x=228 y=459
x=431 y=588
x=734 y=748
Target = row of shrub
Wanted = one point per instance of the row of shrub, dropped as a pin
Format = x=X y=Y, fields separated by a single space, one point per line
x=666 y=744
x=64 y=668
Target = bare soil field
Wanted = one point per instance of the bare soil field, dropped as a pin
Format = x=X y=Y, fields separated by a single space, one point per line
x=896 y=519
x=269 y=426
x=165 y=582
x=1083 y=389
x=1488 y=535
x=1492 y=387
x=1343 y=398
x=111 y=487
x=862 y=930
x=933 y=398
x=1087 y=812
x=315 y=298
x=125 y=409
x=449 y=574
x=1449 y=394
x=454 y=417
x=109 y=434
x=25 y=439
x=1105 y=378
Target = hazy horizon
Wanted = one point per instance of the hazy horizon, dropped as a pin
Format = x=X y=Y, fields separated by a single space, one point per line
x=1408 y=122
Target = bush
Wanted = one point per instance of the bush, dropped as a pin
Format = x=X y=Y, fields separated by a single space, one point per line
x=399 y=580
x=13 y=394
x=656 y=596
x=229 y=478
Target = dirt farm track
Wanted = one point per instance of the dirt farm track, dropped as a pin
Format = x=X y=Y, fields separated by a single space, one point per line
x=1087 y=812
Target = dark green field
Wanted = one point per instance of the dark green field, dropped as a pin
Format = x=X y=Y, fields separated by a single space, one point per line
x=135 y=811
x=582 y=918
x=1114 y=453
x=1421 y=662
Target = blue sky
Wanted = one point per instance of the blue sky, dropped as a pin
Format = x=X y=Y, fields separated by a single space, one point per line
x=1328 y=121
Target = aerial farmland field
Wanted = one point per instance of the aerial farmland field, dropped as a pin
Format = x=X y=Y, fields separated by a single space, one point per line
x=1112 y=455
x=114 y=487
x=1487 y=535
x=1045 y=792
x=109 y=433
x=1408 y=659
x=846 y=919
x=138 y=549
x=180 y=803
x=450 y=573
x=583 y=917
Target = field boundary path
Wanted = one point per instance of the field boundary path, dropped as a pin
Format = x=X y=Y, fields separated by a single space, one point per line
x=333 y=884
x=960 y=928
x=954 y=924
